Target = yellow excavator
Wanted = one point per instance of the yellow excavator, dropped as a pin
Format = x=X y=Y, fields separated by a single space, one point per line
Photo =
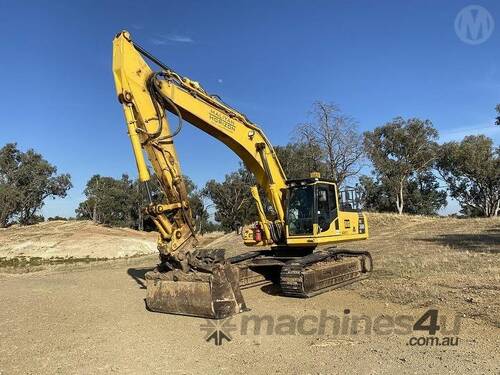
x=306 y=213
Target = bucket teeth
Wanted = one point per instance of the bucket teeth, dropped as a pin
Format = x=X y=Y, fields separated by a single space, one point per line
x=214 y=295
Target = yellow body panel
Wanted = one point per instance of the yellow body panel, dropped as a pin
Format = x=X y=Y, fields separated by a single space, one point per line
x=331 y=235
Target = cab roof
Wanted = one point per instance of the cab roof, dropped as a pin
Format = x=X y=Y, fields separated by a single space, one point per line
x=307 y=181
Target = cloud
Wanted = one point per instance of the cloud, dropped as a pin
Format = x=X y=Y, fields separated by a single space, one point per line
x=158 y=42
x=170 y=39
x=457 y=134
x=180 y=38
x=220 y=80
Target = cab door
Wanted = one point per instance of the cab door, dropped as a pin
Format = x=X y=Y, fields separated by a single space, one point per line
x=326 y=209
x=300 y=216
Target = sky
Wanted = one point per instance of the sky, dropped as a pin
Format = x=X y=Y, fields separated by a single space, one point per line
x=269 y=59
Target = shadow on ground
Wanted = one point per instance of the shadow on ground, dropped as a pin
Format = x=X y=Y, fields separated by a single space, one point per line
x=486 y=242
x=138 y=275
x=271 y=289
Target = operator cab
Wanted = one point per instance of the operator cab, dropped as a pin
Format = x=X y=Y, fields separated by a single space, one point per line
x=310 y=201
x=313 y=203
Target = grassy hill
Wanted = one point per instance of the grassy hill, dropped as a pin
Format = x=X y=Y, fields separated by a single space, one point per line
x=435 y=261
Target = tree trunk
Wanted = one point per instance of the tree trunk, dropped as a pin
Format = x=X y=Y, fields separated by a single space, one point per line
x=4 y=219
x=141 y=219
x=94 y=213
x=487 y=210
x=94 y=209
x=399 y=199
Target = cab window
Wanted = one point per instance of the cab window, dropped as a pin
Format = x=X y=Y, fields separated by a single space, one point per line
x=300 y=210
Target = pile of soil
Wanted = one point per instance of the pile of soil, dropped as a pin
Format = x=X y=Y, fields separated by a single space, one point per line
x=74 y=239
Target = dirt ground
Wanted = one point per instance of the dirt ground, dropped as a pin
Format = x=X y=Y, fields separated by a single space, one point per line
x=90 y=318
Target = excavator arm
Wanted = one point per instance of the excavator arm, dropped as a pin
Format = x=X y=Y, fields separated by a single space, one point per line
x=144 y=95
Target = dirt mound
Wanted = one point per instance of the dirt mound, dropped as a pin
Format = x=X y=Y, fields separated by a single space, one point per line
x=379 y=220
x=76 y=239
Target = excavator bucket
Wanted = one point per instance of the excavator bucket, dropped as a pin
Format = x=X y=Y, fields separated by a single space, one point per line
x=214 y=295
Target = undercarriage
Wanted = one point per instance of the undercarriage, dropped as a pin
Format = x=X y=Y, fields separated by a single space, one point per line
x=213 y=290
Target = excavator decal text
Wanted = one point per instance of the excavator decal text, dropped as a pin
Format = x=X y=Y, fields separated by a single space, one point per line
x=222 y=120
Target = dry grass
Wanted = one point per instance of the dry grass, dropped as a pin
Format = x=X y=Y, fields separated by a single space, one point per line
x=427 y=261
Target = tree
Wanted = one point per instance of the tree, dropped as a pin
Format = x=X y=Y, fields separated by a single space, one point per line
x=422 y=195
x=232 y=199
x=471 y=168
x=300 y=159
x=26 y=181
x=333 y=139
x=121 y=202
x=57 y=218
x=498 y=112
x=399 y=150
x=10 y=196
x=375 y=195
x=198 y=210
x=143 y=194
x=109 y=201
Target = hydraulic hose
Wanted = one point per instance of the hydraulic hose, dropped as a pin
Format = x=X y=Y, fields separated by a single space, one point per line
x=158 y=100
